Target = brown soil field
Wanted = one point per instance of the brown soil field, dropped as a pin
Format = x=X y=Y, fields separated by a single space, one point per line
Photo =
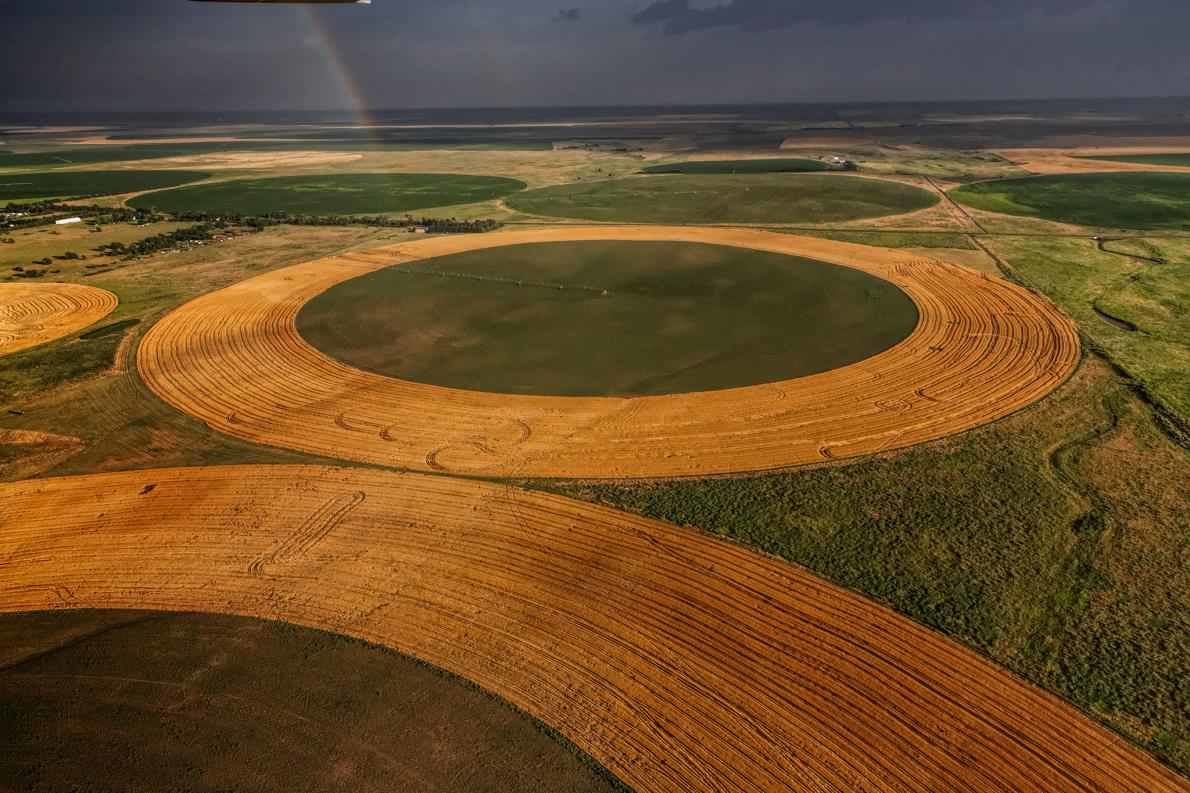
x=983 y=348
x=1060 y=161
x=676 y=660
x=33 y=314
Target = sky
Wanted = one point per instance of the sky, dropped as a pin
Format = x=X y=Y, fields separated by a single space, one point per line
x=178 y=55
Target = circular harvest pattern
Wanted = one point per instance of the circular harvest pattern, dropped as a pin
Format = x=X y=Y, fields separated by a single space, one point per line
x=982 y=349
x=554 y=318
x=33 y=314
x=332 y=194
x=742 y=198
x=677 y=661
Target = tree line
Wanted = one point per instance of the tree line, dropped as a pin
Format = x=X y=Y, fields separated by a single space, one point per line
x=46 y=213
x=431 y=225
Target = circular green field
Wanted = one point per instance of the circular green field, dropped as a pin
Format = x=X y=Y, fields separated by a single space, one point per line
x=1110 y=200
x=81 y=184
x=330 y=194
x=706 y=198
x=781 y=165
x=607 y=318
x=136 y=701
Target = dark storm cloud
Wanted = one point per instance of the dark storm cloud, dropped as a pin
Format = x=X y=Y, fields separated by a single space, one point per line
x=677 y=16
x=178 y=55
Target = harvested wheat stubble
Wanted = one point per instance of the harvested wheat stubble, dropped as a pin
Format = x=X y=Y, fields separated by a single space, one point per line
x=680 y=662
x=33 y=314
x=982 y=349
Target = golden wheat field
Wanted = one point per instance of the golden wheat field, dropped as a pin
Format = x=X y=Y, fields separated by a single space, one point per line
x=33 y=314
x=982 y=349
x=678 y=661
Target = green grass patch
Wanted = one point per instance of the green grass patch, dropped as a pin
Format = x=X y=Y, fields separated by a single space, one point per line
x=1053 y=541
x=79 y=184
x=1114 y=200
x=897 y=239
x=103 y=153
x=780 y=165
x=44 y=366
x=110 y=329
x=1146 y=159
x=330 y=194
x=607 y=318
x=749 y=198
x=1152 y=298
x=41 y=241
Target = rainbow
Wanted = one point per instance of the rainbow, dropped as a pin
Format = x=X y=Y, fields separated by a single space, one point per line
x=348 y=84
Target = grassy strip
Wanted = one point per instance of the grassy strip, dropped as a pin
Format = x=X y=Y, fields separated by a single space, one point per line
x=109 y=330
x=894 y=239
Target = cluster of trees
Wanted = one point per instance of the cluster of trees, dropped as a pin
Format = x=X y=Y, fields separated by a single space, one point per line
x=432 y=225
x=45 y=213
x=21 y=272
x=203 y=232
x=455 y=226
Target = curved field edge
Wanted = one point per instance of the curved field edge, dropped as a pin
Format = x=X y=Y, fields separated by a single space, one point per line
x=982 y=350
x=676 y=661
x=331 y=194
x=699 y=317
x=710 y=198
x=1129 y=200
x=213 y=701
x=87 y=184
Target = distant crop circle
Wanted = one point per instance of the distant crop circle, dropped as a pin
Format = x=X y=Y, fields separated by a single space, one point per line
x=726 y=198
x=35 y=314
x=332 y=194
x=608 y=318
x=82 y=184
x=1107 y=200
